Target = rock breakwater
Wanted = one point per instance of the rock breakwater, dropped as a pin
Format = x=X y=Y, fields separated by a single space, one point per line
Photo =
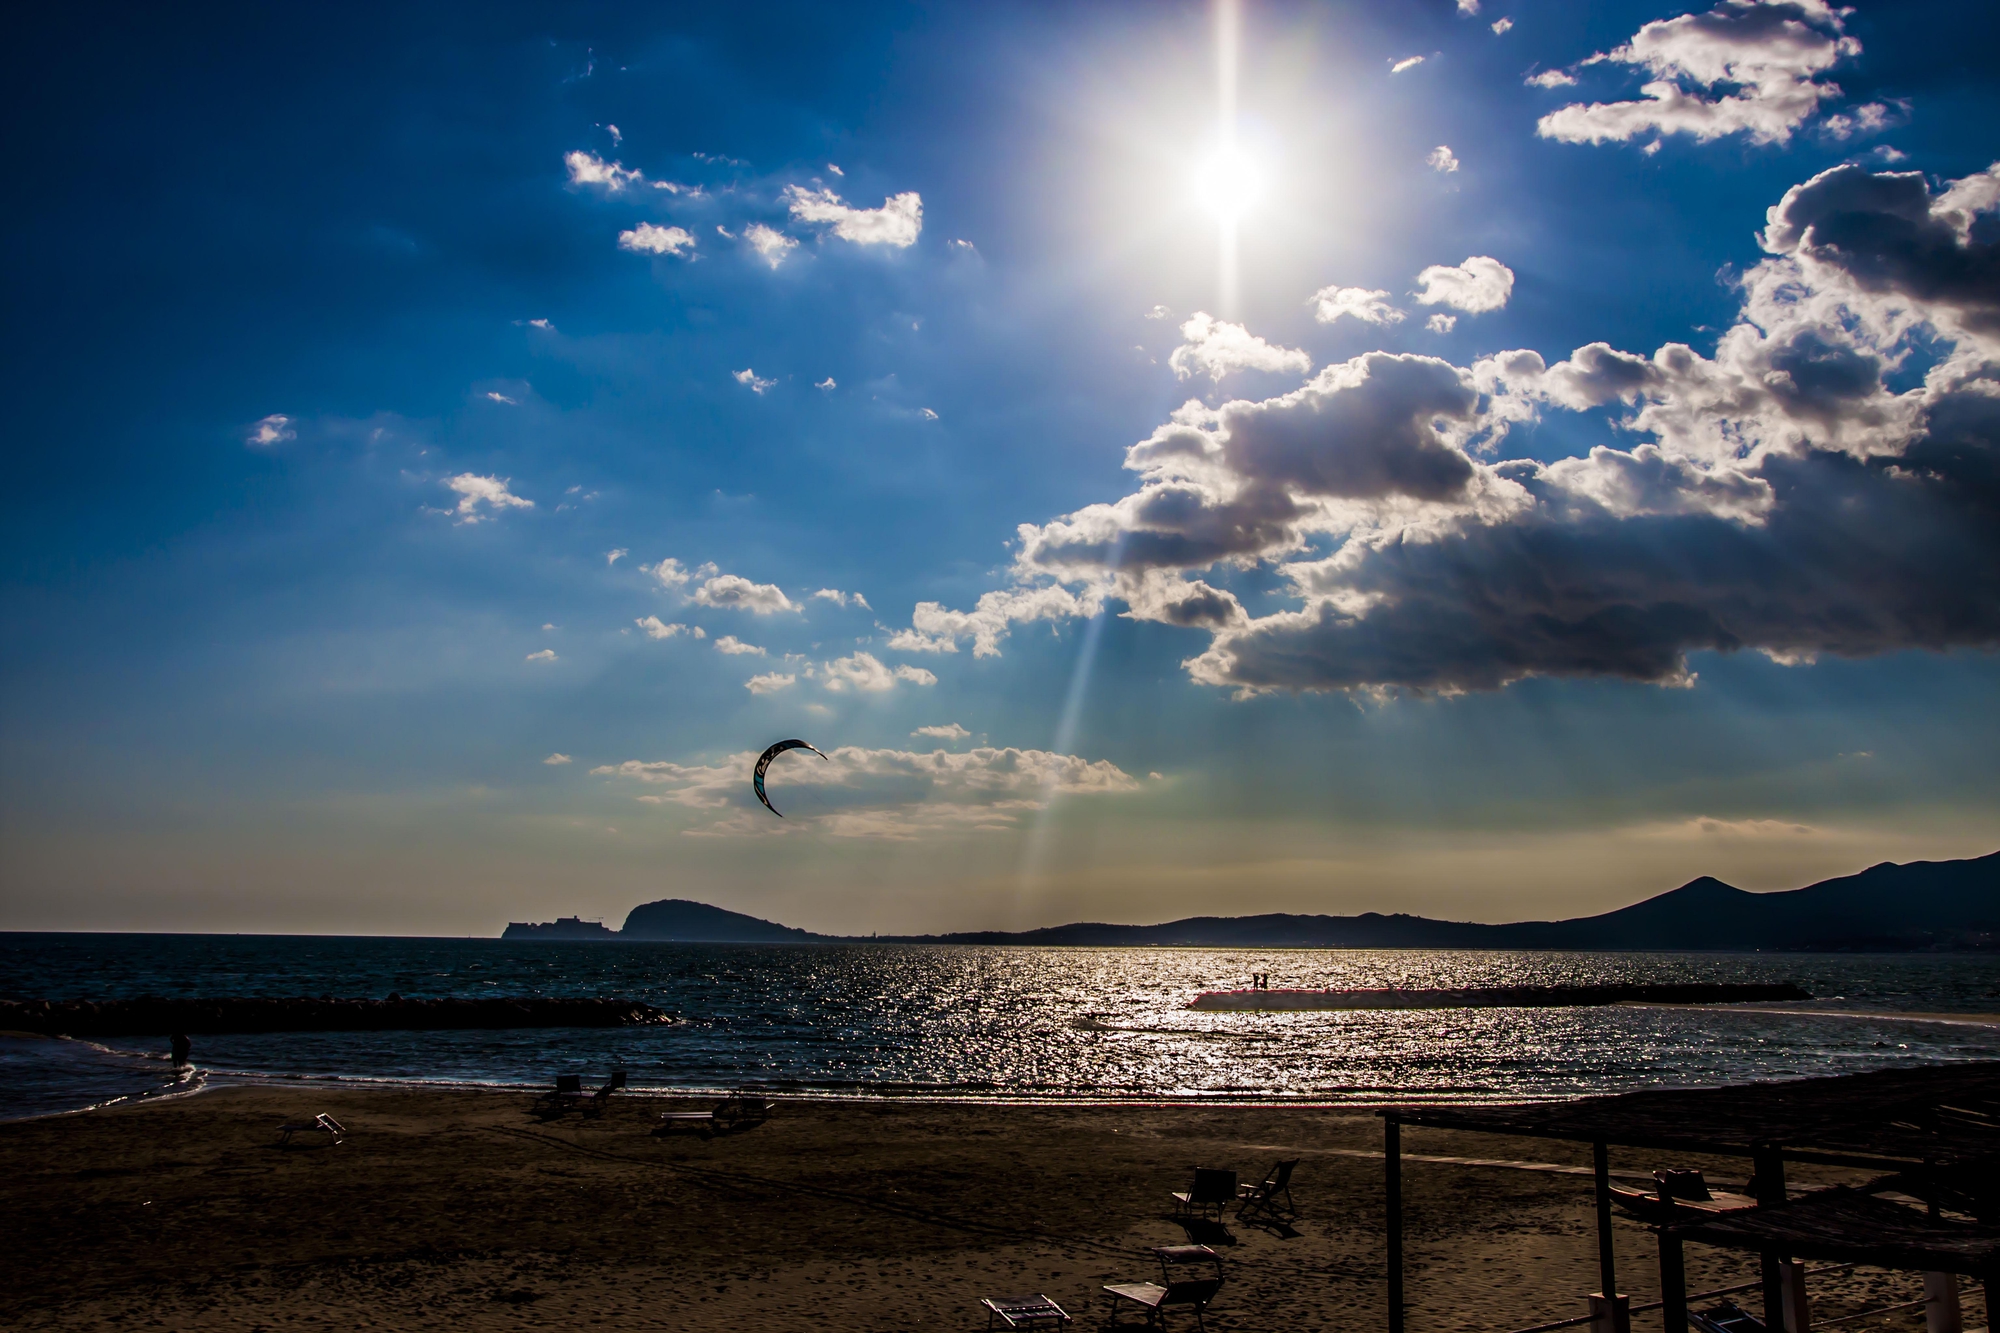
x=1498 y=997
x=149 y=1015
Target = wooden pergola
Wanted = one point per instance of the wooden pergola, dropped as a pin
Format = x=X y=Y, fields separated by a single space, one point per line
x=1932 y=1125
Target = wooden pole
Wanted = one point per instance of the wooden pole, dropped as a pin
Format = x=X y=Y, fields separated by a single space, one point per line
x=1392 y=1184
x=1673 y=1283
x=1607 y=1264
x=1770 y=1167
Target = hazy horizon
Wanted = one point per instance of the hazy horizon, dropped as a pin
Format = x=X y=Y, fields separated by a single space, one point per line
x=1471 y=459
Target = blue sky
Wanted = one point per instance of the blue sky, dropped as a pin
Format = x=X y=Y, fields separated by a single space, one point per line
x=447 y=444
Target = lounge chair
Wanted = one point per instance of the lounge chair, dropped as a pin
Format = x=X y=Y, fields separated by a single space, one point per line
x=319 y=1124
x=1677 y=1196
x=739 y=1110
x=1727 y=1317
x=602 y=1097
x=1176 y=1286
x=1211 y=1189
x=1023 y=1312
x=1262 y=1197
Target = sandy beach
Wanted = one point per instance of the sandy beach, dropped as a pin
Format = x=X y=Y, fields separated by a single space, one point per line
x=464 y=1209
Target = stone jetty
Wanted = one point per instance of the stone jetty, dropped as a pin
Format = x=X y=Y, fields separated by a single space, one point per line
x=152 y=1015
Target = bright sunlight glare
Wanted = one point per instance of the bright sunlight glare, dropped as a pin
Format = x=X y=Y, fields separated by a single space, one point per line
x=1228 y=183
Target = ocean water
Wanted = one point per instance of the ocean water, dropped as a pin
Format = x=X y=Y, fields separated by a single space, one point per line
x=1000 y=1023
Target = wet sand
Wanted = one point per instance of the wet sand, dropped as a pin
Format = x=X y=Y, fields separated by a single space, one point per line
x=464 y=1210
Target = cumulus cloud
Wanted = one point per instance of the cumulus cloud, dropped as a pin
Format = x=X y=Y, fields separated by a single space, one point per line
x=475 y=491
x=748 y=379
x=734 y=592
x=1441 y=323
x=863 y=671
x=768 y=683
x=546 y=655
x=1480 y=284
x=898 y=222
x=839 y=598
x=1370 y=307
x=274 y=429
x=949 y=731
x=1441 y=159
x=1500 y=26
x=826 y=384
x=770 y=244
x=882 y=793
x=735 y=647
x=1408 y=62
x=658 y=629
x=650 y=239
x=614 y=556
x=1751 y=67
x=1552 y=78
x=1215 y=348
x=556 y=760
x=1804 y=490
x=590 y=169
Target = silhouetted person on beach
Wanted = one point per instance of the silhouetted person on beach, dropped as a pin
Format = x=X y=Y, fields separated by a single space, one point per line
x=181 y=1047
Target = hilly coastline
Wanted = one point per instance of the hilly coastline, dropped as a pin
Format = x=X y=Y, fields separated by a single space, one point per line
x=1918 y=905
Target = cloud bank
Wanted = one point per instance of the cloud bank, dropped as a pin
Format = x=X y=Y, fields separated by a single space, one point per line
x=1800 y=492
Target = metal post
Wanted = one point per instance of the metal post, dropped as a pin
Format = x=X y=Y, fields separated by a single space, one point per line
x=1607 y=1265
x=1941 y=1309
x=1798 y=1306
x=1770 y=1169
x=1673 y=1283
x=1392 y=1184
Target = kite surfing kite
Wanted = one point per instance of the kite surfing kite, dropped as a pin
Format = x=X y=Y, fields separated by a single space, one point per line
x=764 y=762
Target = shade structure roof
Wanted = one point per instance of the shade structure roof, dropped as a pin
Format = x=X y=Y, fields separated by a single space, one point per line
x=1848 y=1226
x=1896 y=1117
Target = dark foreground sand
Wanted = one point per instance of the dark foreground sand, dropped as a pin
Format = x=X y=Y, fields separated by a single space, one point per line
x=463 y=1210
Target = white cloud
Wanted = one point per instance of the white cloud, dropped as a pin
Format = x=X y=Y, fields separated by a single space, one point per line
x=1159 y=312
x=590 y=169
x=1441 y=159
x=613 y=557
x=735 y=592
x=771 y=246
x=546 y=655
x=1408 y=62
x=556 y=760
x=1468 y=7
x=672 y=574
x=274 y=429
x=898 y=222
x=1441 y=323
x=652 y=239
x=658 y=629
x=1749 y=67
x=927 y=414
x=863 y=671
x=1479 y=284
x=1551 y=78
x=835 y=170
x=826 y=383
x=502 y=398
x=934 y=629
x=769 y=683
x=949 y=731
x=735 y=647
x=1370 y=307
x=474 y=491
x=1215 y=347
x=748 y=379
x=541 y=324
x=884 y=793
x=839 y=598
x=616 y=136
x=1866 y=119
x=1500 y=26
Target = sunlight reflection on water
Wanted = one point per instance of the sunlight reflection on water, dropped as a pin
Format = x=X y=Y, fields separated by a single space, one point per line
x=1037 y=1023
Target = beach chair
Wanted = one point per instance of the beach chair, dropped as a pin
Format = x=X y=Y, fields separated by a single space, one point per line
x=1726 y=1317
x=1211 y=1189
x=1262 y=1197
x=602 y=1097
x=1190 y=1277
x=1023 y=1312
x=319 y=1124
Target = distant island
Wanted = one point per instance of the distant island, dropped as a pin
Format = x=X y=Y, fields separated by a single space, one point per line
x=1889 y=907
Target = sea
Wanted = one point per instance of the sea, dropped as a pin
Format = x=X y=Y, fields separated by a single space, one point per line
x=991 y=1023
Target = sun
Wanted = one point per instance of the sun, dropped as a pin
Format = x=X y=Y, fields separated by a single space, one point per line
x=1228 y=182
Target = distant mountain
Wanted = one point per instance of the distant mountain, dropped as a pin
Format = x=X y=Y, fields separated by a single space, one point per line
x=562 y=928
x=1921 y=905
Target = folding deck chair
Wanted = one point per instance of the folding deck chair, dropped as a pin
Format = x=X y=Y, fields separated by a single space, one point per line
x=1211 y=1189
x=1176 y=1287
x=1023 y=1312
x=319 y=1124
x=1262 y=1197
